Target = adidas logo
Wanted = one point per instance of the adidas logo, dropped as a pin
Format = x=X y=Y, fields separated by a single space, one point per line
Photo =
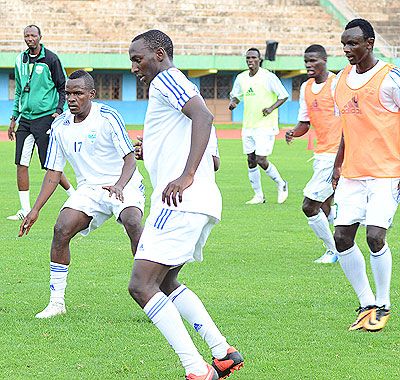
x=352 y=106
x=66 y=122
x=315 y=106
x=250 y=92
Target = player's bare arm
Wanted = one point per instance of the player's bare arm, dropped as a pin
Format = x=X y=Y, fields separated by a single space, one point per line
x=337 y=167
x=300 y=129
x=138 y=148
x=128 y=169
x=202 y=119
x=267 y=110
x=11 y=130
x=233 y=103
x=50 y=182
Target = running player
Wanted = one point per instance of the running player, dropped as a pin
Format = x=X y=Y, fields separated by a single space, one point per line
x=262 y=93
x=185 y=205
x=317 y=109
x=93 y=138
x=368 y=98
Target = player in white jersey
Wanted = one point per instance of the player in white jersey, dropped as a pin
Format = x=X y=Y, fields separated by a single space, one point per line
x=185 y=205
x=93 y=138
x=262 y=93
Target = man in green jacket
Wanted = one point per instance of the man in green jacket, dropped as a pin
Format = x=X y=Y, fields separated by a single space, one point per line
x=39 y=98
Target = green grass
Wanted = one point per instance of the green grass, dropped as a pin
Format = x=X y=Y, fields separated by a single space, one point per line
x=287 y=315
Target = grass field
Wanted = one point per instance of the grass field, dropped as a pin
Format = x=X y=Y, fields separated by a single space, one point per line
x=287 y=315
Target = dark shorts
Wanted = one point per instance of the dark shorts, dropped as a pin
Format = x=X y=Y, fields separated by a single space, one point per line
x=29 y=133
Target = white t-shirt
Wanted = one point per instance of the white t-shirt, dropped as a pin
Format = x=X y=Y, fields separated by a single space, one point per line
x=95 y=147
x=272 y=84
x=315 y=88
x=166 y=145
x=389 y=92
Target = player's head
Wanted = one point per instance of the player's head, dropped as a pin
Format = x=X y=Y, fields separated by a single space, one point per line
x=315 y=58
x=79 y=91
x=150 y=53
x=32 y=36
x=253 y=59
x=358 y=40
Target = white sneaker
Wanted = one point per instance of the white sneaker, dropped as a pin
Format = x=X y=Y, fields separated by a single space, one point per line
x=329 y=257
x=20 y=215
x=52 y=309
x=283 y=193
x=256 y=199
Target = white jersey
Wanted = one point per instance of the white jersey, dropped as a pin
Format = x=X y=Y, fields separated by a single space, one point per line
x=95 y=147
x=389 y=92
x=166 y=145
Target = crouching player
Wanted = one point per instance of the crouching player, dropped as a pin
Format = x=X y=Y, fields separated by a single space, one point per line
x=93 y=138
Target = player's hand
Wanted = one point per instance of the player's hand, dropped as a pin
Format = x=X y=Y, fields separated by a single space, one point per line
x=55 y=114
x=289 y=136
x=138 y=148
x=398 y=186
x=232 y=105
x=176 y=188
x=11 y=130
x=28 y=222
x=335 y=177
x=266 y=111
x=117 y=190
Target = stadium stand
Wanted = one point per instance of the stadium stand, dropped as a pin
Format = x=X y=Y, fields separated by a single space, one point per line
x=384 y=16
x=195 y=23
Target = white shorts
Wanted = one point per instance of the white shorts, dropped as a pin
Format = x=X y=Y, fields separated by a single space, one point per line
x=258 y=140
x=319 y=187
x=96 y=202
x=174 y=237
x=372 y=202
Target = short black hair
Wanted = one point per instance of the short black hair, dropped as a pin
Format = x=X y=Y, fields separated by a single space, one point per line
x=89 y=81
x=155 y=39
x=365 y=26
x=33 y=26
x=254 y=49
x=315 y=48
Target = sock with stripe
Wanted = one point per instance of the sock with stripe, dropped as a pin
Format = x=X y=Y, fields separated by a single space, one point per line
x=353 y=265
x=58 y=282
x=273 y=173
x=381 y=264
x=24 y=200
x=320 y=226
x=255 y=180
x=167 y=319
x=192 y=309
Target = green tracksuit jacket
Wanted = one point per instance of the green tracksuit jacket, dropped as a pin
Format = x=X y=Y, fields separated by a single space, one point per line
x=47 y=85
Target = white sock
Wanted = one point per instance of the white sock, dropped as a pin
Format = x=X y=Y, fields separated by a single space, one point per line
x=165 y=316
x=70 y=191
x=320 y=225
x=353 y=265
x=381 y=264
x=273 y=173
x=192 y=309
x=332 y=214
x=255 y=180
x=24 y=200
x=58 y=282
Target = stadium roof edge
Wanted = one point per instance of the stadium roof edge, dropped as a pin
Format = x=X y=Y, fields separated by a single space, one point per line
x=184 y=62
